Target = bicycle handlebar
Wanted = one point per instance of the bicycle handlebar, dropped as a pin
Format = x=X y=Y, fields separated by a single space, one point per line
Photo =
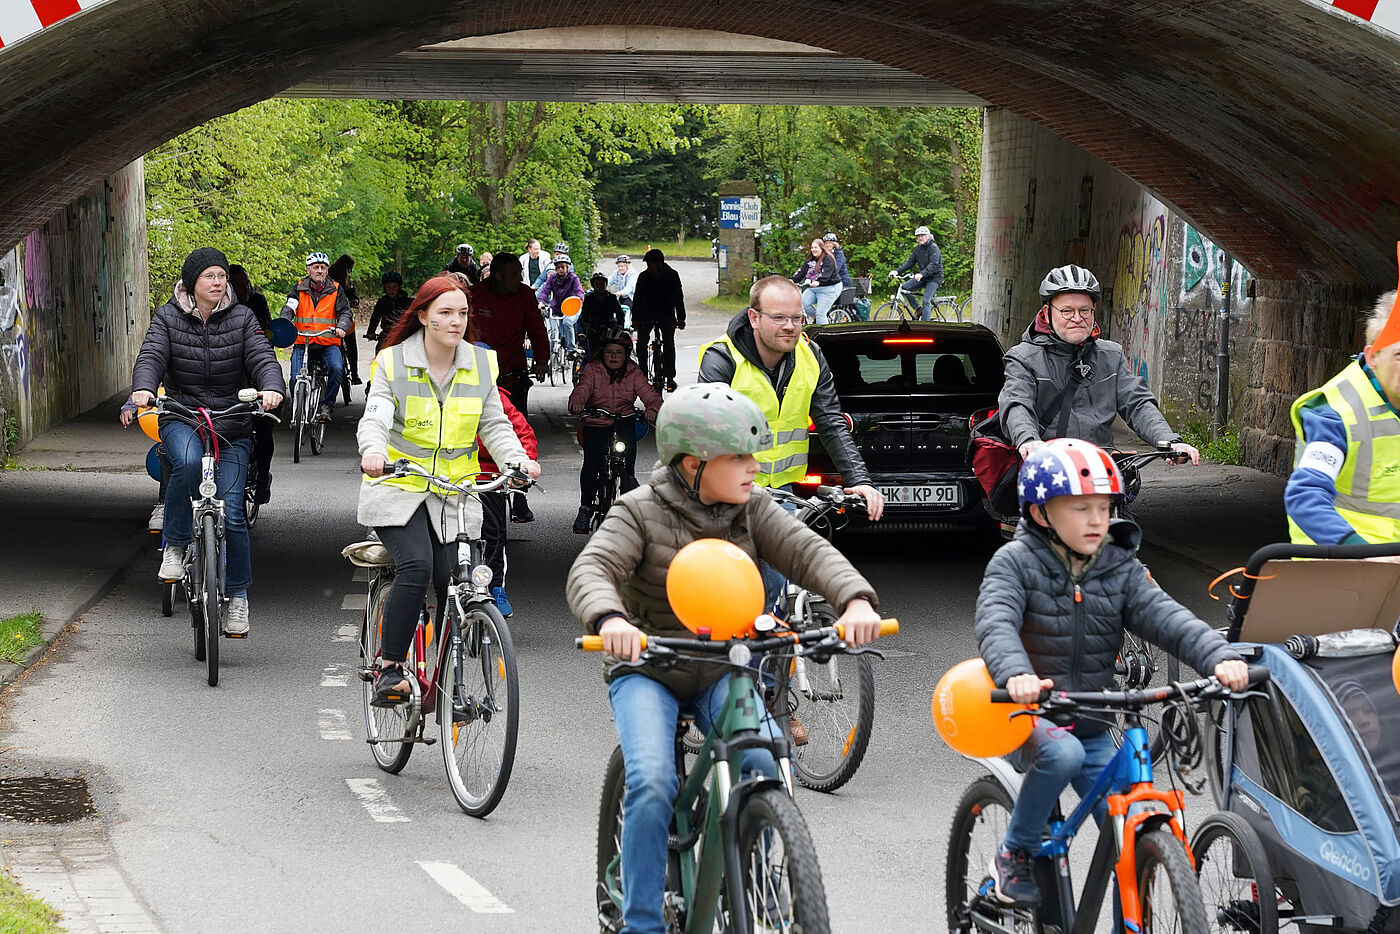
x=888 y=627
x=824 y=498
x=590 y=412
x=168 y=406
x=1135 y=460
x=407 y=468
x=321 y=333
x=1069 y=701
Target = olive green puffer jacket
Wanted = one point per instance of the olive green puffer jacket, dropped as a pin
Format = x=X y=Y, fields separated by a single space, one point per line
x=622 y=569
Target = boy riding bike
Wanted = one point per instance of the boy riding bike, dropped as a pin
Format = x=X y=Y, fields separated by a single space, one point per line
x=1051 y=614
x=706 y=436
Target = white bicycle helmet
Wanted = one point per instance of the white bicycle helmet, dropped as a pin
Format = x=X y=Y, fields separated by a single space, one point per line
x=922 y=230
x=1069 y=278
x=563 y=258
x=317 y=257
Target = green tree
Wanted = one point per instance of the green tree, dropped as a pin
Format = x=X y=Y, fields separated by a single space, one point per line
x=660 y=193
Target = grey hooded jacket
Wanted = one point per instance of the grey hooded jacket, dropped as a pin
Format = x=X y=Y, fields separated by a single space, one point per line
x=1029 y=620
x=1037 y=372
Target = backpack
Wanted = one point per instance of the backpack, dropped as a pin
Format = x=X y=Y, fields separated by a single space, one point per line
x=996 y=462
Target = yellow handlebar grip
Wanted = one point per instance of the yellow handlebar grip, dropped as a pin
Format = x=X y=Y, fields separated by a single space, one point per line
x=888 y=627
x=595 y=643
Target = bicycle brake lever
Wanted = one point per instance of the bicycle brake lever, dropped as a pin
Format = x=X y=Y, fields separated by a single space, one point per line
x=864 y=650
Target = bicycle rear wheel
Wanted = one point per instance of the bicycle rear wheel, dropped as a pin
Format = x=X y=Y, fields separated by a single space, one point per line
x=478 y=710
x=251 y=506
x=167 y=598
x=383 y=725
x=1232 y=870
x=979 y=824
x=782 y=882
x=946 y=311
x=609 y=862
x=210 y=595
x=318 y=436
x=1167 y=888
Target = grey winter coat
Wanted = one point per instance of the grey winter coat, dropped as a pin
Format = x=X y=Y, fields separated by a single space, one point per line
x=205 y=363
x=1029 y=620
x=1037 y=372
x=382 y=504
x=717 y=366
x=622 y=569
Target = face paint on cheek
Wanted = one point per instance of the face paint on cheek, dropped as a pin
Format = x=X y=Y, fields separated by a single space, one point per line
x=435 y=325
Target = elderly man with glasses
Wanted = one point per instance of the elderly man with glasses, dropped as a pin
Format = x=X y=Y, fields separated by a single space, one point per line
x=1064 y=381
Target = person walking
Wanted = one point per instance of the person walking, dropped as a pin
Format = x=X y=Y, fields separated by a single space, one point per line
x=658 y=303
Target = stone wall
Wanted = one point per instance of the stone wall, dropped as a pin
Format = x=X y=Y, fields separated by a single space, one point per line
x=74 y=305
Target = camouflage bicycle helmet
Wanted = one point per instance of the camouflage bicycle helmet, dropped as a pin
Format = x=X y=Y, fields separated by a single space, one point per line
x=1069 y=278
x=710 y=419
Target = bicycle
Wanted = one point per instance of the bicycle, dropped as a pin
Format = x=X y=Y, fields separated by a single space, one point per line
x=656 y=353
x=740 y=856
x=557 y=361
x=472 y=686
x=614 y=463
x=203 y=578
x=905 y=306
x=1140 y=844
x=307 y=390
x=835 y=700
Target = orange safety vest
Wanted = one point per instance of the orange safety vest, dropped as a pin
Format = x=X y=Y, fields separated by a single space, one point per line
x=317 y=316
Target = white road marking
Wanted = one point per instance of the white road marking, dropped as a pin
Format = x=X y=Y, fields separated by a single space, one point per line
x=353 y=601
x=376 y=801
x=334 y=676
x=465 y=889
x=332 y=724
x=350 y=632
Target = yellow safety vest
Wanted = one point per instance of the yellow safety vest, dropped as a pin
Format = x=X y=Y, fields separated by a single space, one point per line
x=438 y=435
x=786 y=461
x=1368 y=487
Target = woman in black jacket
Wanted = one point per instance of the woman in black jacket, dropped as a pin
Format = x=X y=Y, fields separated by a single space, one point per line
x=204 y=346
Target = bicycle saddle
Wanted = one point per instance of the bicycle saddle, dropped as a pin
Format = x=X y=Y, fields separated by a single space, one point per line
x=367 y=554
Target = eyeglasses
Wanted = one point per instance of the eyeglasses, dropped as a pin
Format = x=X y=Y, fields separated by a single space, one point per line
x=784 y=321
x=214 y=277
x=1069 y=314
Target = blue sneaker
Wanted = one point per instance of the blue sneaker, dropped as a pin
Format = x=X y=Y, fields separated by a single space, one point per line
x=499 y=595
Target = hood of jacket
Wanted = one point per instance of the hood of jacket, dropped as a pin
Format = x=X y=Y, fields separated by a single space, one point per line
x=183 y=300
x=1124 y=537
x=1042 y=333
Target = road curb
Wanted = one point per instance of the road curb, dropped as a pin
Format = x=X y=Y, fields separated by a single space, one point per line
x=95 y=585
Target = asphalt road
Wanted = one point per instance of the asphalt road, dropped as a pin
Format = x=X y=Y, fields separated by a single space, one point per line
x=255 y=806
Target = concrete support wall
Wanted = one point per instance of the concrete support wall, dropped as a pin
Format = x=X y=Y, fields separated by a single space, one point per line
x=1045 y=202
x=74 y=305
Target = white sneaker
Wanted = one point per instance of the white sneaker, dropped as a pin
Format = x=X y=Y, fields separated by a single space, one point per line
x=236 y=618
x=172 y=563
x=157 y=520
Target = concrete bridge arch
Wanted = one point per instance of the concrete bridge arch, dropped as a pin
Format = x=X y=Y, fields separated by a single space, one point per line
x=1268 y=124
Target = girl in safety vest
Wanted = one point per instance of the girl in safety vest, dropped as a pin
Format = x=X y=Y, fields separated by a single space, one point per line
x=431 y=394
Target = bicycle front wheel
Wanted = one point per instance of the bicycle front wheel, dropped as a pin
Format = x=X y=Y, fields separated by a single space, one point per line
x=1168 y=893
x=387 y=728
x=299 y=393
x=782 y=882
x=478 y=710
x=886 y=311
x=609 y=863
x=210 y=596
x=979 y=825
x=1232 y=870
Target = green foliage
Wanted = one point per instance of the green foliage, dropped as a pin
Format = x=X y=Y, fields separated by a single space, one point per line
x=22 y=913
x=11 y=433
x=660 y=194
x=1222 y=448
x=18 y=635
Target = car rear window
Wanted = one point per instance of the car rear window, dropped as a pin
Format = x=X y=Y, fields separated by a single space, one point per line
x=945 y=366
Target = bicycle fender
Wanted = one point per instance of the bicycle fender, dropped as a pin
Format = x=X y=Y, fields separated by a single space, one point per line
x=1002 y=771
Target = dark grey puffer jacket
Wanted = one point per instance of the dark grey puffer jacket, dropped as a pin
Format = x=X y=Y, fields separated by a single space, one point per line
x=1029 y=620
x=206 y=363
x=1040 y=366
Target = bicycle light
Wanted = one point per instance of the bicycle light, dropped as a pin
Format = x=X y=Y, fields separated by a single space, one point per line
x=740 y=654
x=207 y=489
x=481 y=575
x=620 y=447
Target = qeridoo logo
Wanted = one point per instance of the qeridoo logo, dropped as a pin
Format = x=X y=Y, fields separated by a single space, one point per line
x=1344 y=862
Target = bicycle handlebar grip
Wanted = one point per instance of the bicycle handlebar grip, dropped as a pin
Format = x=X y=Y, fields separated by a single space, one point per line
x=595 y=643
x=1258 y=674
x=888 y=627
x=1002 y=696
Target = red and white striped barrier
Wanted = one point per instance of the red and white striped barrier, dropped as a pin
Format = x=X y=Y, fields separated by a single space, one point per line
x=20 y=18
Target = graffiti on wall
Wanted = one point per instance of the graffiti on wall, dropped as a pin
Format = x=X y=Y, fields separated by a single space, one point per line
x=15 y=337
x=1140 y=287
x=1195 y=322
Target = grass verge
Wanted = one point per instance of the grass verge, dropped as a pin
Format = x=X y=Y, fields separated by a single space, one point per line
x=18 y=635
x=730 y=303
x=22 y=913
x=692 y=249
x=1225 y=449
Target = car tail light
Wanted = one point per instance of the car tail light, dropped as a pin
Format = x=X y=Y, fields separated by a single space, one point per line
x=846 y=416
x=812 y=479
x=976 y=417
x=907 y=340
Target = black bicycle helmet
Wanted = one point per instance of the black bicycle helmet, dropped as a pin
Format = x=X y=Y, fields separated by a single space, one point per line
x=1069 y=278
x=617 y=336
x=392 y=275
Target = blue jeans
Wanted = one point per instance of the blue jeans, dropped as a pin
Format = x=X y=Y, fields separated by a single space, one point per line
x=817 y=301
x=645 y=712
x=564 y=327
x=335 y=368
x=930 y=289
x=1052 y=758
x=183 y=445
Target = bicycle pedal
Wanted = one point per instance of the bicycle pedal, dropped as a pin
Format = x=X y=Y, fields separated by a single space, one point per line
x=235 y=635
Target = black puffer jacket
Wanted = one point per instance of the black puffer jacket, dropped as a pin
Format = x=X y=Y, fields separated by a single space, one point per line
x=206 y=363
x=1029 y=621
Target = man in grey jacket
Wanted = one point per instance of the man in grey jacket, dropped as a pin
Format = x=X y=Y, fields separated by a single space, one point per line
x=1064 y=381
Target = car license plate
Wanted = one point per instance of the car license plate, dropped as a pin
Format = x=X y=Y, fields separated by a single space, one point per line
x=928 y=494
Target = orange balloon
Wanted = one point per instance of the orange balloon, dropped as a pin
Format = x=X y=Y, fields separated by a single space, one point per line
x=570 y=306
x=715 y=589
x=967 y=719
x=146 y=418
x=1395 y=670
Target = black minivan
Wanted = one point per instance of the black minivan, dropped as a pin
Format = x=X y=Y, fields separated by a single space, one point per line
x=911 y=391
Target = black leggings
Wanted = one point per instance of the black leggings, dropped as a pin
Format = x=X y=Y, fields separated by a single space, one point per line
x=351 y=343
x=418 y=556
x=595 y=450
x=493 y=535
